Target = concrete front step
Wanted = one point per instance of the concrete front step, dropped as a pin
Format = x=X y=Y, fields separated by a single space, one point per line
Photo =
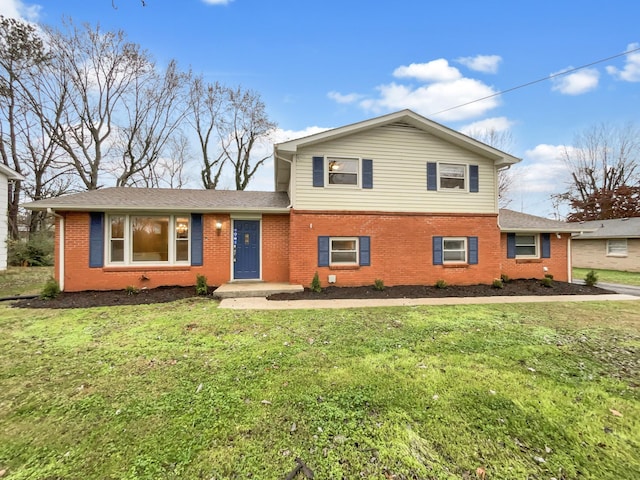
x=254 y=289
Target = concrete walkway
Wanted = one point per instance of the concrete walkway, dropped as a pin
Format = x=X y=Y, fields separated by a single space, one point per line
x=261 y=303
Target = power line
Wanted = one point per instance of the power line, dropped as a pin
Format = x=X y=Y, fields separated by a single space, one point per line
x=559 y=74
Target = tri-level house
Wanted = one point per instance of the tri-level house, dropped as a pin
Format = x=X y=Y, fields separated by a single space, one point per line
x=398 y=198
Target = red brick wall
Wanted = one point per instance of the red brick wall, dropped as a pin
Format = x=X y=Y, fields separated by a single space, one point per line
x=556 y=265
x=275 y=248
x=401 y=247
x=216 y=257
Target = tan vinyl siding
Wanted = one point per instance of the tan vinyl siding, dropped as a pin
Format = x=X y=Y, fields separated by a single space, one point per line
x=400 y=155
x=592 y=253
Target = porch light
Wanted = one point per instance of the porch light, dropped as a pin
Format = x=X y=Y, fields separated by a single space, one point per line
x=218 y=226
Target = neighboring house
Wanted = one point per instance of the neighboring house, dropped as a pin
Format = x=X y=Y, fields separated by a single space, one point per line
x=6 y=174
x=398 y=198
x=610 y=245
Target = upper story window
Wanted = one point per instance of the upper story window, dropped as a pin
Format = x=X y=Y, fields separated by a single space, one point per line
x=617 y=247
x=527 y=246
x=457 y=177
x=452 y=176
x=343 y=171
x=148 y=239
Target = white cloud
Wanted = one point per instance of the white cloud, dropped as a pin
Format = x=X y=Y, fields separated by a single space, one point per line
x=18 y=9
x=495 y=124
x=576 y=83
x=432 y=98
x=439 y=87
x=631 y=70
x=435 y=71
x=344 y=99
x=481 y=63
x=217 y=2
x=542 y=170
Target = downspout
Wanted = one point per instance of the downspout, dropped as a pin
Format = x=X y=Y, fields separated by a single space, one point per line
x=569 y=260
x=60 y=248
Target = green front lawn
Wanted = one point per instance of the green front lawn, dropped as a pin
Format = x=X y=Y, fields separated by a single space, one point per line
x=23 y=280
x=609 y=276
x=184 y=390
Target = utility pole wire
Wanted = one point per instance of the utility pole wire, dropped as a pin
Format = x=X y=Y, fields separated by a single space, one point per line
x=559 y=74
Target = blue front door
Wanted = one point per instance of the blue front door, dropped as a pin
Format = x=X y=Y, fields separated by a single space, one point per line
x=246 y=249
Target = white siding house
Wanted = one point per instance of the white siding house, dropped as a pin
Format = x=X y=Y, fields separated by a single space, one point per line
x=6 y=174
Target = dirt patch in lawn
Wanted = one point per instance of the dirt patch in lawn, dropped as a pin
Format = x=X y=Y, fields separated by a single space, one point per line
x=169 y=294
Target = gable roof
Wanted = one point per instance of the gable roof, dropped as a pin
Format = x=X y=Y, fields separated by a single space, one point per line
x=408 y=117
x=10 y=173
x=165 y=199
x=516 y=222
x=615 y=228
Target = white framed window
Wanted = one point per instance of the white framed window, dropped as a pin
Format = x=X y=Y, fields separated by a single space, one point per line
x=454 y=250
x=148 y=239
x=452 y=176
x=527 y=246
x=343 y=171
x=617 y=247
x=343 y=251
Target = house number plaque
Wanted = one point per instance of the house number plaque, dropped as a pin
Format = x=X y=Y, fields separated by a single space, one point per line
x=246 y=239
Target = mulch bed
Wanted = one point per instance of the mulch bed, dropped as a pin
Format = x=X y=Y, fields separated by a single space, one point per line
x=169 y=294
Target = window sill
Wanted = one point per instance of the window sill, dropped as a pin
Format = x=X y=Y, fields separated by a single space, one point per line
x=455 y=265
x=616 y=256
x=344 y=267
x=528 y=260
x=136 y=268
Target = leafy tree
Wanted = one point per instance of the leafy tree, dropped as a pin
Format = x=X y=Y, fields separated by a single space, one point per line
x=603 y=163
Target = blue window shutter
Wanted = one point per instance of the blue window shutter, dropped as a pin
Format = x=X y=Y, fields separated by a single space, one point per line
x=437 y=250
x=432 y=176
x=96 y=239
x=367 y=173
x=196 y=239
x=546 y=245
x=318 y=171
x=511 y=245
x=473 y=250
x=473 y=179
x=365 y=251
x=323 y=251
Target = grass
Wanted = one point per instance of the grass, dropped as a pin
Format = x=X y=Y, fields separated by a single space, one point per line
x=23 y=280
x=609 y=276
x=184 y=390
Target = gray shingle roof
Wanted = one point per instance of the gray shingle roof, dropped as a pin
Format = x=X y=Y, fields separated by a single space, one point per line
x=616 y=228
x=127 y=198
x=512 y=221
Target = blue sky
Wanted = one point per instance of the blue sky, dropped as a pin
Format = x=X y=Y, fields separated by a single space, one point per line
x=331 y=63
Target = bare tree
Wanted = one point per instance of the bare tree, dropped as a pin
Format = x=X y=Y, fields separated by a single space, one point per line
x=155 y=106
x=98 y=69
x=207 y=110
x=21 y=50
x=170 y=171
x=246 y=123
x=603 y=163
x=502 y=140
